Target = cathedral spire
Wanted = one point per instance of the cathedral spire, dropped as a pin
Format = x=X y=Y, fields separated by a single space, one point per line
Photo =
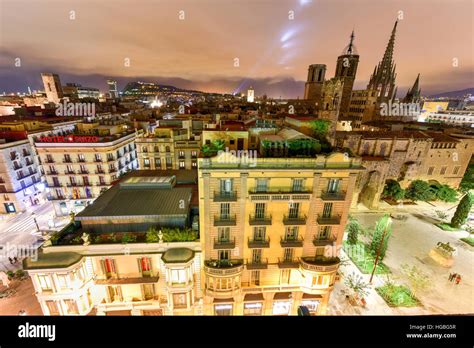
x=388 y=55
x=383 y=78
x=350 y=48
x=414 y=93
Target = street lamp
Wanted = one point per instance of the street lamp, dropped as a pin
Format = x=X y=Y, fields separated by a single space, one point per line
x=389 y=221
x=36 y=222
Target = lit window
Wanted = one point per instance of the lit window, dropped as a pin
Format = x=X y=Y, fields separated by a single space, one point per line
x=44 y=282
x=178 y=276
x=223 y=309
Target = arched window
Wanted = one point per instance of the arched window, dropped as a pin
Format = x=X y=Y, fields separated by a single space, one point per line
x=365 y=149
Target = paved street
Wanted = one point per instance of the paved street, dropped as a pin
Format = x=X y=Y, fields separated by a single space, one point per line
x=410 y=243
x=21 y=229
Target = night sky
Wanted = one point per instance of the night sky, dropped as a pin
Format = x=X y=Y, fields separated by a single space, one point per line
x=199 y=51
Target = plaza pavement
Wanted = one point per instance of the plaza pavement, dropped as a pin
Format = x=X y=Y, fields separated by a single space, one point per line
x=410 y=244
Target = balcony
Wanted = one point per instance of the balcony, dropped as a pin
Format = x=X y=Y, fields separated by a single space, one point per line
x=257 y=220
x=52 y=172
x=333 y=196
x=294 y=220
x=224 y=244
x=26 y=175
x=69 y=172
x=288 y=263
x=134 y=280
x=225 y=220
x=254 y=264
x=323 y=241
x=97 y=160
x=279 y=190
x=55 y=184
x=329 y=220
x=83 y=172
x=102 y=184
x=67 y=160
x=112 y=170
x=259 y=243
x=110 y=159
x=81 y=160
x=223 y=267
x=320 y=264
x=100 y=171
x=225 y=196
x=49 y=160
x=294 y=242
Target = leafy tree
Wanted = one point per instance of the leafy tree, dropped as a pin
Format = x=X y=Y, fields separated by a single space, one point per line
x=171 y=235
x=393 y=190
x=418 y=280
x=152 y=235
x=462 y=211
x=320 y=128
x=356 y=283
x=353 y=228
x=383 y=226
x=467 y=182
x=128 y=238
x=419 y=190
x=445 y=193
x=212 y=149
x=441 y=214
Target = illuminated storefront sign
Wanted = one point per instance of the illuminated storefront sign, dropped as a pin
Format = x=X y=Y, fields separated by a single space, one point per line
x=253 y=308
x=281 y=307
x=70 y=139
x=312 y=305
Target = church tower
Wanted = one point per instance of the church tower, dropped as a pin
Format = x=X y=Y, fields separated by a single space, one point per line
x=346 y=69
x=414 y=93
x=382 y=81
x=314 y=82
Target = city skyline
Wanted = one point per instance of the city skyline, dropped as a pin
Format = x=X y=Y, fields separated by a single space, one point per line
x=274 y=61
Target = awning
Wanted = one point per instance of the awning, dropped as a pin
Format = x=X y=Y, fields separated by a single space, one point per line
x=223 y=300
x=311 y=296
x=253 y=297
x=282 y=296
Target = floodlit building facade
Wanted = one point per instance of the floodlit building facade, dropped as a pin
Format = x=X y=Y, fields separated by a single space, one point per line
x=79 y=166
x=95 y=267
x=20 y=179
x=168 y=148
x=271 y=229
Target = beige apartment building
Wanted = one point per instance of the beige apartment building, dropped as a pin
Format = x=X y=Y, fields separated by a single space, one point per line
x=95 y=267
x=405 y=156
x=168 y=148
x=116 y=279
x=271 y=229
x=81 y=165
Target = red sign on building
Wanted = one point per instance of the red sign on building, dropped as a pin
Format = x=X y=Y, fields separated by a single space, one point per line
x=70 y=139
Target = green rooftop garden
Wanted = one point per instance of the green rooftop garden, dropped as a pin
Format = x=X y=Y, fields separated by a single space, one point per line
x=291 y=148
x=72 y=235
